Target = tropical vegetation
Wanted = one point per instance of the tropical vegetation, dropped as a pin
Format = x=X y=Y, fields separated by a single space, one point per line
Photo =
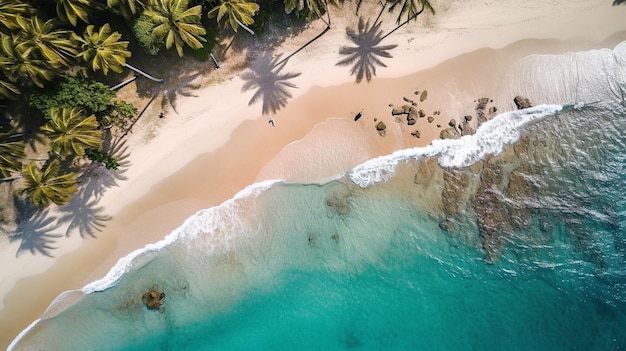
x=55 y=55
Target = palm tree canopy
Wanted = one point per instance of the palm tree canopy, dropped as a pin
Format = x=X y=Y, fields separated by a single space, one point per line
x=41 y=38
x=237 y=10
x=44 y=186
x=9 y=9
x=409 y=8
x=177 y=24
x=315 y=6
x=102 y=49
x=70 y=11
x=127 y=8
x=11 y=154
x=70 y=132
x=8 y=90
x=15 y=62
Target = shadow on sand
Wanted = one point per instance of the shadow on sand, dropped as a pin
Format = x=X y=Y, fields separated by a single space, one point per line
x=272 y=86
x=38 y=230
x=365 y=55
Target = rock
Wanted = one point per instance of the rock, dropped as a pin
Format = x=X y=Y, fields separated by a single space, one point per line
x=450 y=133
x=430 y=119
x=467 y=118
x=380 y=127
x=452 y=123
x=411 y=118
x=417 y=92
x=438 y=125
x=338 y=201
x=424 y=95
x=153 y=299
x=467 y=128
x=407 y=100
x=522 y=102
x=446 y=225
x=421 y=114
x=397 y=111
x=493 y=110
x=406 y=108
x=483 y=101
x=416 y=133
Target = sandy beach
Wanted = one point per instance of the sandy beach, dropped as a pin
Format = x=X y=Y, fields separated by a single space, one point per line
x=215 y=144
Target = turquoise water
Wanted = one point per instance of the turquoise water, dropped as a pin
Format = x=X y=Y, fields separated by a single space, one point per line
x=343 y=267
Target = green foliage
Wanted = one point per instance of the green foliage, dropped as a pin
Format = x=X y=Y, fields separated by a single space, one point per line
x=11 y=153
x=71 y=131
x=119 y=115
x=142 y=29
x=91 y=96
x=103 y=158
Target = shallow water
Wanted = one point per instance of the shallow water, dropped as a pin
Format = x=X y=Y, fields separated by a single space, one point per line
x=366 y=265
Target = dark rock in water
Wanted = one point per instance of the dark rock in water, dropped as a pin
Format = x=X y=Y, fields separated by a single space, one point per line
x=450 y=133
x=416 y=133
x=492 y=217
x=430 y=119
x=467 y=118
x=338 y=201
x=426 y=170
x=446 y=225
x=424 y=95
x=398 y=110
x=522 y=102
x=452 y=123
x=153 y=299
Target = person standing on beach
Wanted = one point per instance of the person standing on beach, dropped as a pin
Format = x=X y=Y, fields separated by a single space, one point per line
x=271 y=121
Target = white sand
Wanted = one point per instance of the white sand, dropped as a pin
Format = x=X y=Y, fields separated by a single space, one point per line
x=216 y=145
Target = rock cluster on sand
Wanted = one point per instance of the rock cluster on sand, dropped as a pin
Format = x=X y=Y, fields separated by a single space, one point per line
x=153 y=299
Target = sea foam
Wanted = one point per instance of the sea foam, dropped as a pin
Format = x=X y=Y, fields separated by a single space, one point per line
x=489 y=139
x=204 y=221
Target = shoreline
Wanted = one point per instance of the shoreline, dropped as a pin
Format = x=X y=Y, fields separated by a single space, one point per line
x=160 y=202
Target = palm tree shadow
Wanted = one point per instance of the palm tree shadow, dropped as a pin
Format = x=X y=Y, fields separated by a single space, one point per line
x=364 y=55
x=82 y=212
x=183 y=85
x=34 y=228
x=272 y=86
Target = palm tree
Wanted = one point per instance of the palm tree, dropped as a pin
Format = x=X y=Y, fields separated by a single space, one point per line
x=128 y=8
x=11 y=154
x=43 y=38
x=15 y=62
x=177 y=24
x=102 y=49
x=45 y=186
x=9 y=9
x=239 y=13
x=70 y=132
x=71 y=10
x=316 y=6
x=409 y=9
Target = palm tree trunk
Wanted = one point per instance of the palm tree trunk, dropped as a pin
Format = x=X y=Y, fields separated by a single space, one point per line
x=303 y=46
x=144 y=74
x=402 y=24
x=127 y=81
x=10 y=179
x=244 y=26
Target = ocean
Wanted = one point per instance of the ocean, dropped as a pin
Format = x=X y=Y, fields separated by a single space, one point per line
x=513 y=238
